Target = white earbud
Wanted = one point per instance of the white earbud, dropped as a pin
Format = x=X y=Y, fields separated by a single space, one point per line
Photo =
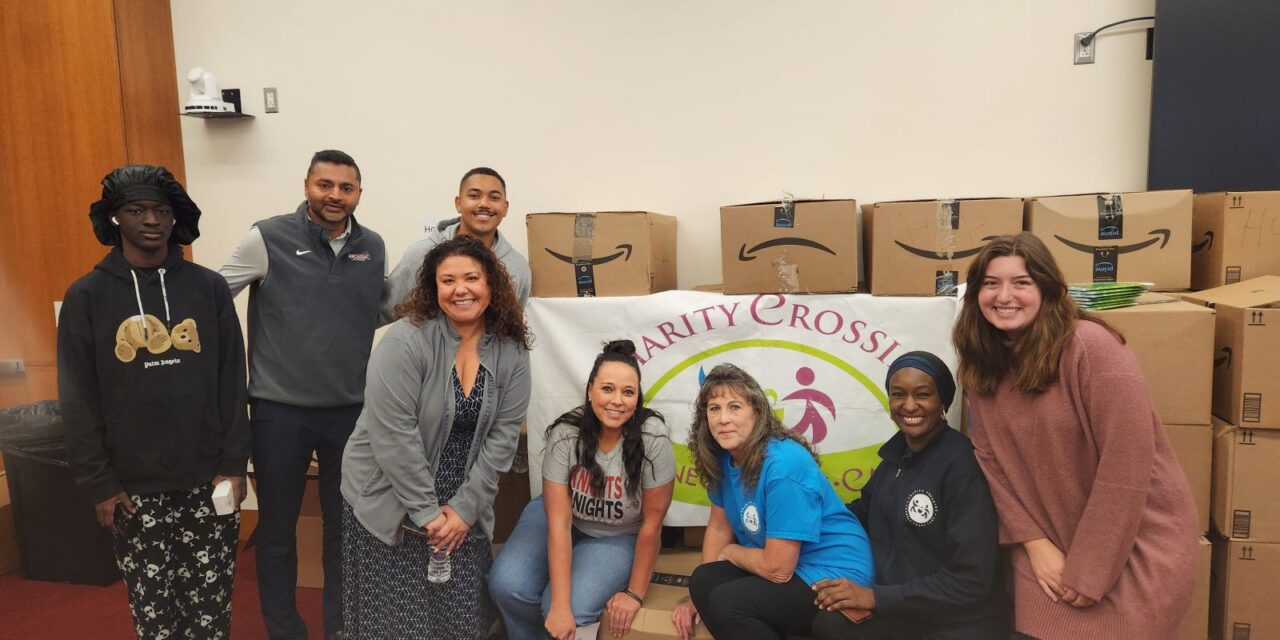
x=114 y=221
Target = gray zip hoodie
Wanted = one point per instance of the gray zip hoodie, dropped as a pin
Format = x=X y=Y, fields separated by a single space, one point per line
x=388 y=468
x=404 y=276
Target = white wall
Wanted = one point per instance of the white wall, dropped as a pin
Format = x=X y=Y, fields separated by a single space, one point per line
x=666 y=105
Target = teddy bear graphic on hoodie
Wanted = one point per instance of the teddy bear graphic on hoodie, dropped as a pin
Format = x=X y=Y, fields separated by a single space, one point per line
x=148 y=332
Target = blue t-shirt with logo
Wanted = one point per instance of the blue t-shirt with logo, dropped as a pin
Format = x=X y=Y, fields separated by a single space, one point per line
x=793 y=501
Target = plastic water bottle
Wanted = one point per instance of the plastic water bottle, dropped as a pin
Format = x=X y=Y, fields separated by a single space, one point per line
x=439 y=569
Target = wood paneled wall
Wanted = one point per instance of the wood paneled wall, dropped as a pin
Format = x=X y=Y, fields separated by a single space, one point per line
x=88 y=85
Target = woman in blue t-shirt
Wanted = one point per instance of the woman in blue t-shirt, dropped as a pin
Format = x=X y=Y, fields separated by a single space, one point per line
x=776 y=524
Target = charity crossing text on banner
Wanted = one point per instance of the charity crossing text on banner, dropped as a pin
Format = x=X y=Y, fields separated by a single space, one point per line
x=821 y=359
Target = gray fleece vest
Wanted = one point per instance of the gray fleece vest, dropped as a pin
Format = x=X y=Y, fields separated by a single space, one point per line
x=311 y=319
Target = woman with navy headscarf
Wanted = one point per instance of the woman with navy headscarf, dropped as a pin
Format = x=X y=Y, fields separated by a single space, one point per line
x=932 y=525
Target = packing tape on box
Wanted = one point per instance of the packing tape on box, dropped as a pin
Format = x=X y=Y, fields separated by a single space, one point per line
x=948 y=221
x=584 y=234
x=1110 y=217
x=788 y=275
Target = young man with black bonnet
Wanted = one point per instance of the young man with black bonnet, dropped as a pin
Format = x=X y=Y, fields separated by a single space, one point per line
x=152 y=385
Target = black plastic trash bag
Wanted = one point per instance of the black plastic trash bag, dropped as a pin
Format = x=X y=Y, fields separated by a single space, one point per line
x=34 y=431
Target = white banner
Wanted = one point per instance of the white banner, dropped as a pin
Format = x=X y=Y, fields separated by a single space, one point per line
x=821 y=359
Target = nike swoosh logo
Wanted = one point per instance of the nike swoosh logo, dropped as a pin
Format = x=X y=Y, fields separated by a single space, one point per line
x=300 y=252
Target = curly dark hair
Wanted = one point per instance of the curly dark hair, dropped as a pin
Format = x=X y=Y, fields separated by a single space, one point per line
x=503 y=317
x=703 y=446
x=588 y=425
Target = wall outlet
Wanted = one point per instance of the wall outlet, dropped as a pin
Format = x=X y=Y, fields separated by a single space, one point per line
x=1083 y=52
x=271 y=100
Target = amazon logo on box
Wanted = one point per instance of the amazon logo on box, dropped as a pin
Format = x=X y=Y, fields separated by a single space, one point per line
x=1118 y=237
x=607 y=253
x=793 y=246
x=924 y=247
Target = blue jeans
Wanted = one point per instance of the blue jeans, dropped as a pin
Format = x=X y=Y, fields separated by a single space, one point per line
x=520 y=583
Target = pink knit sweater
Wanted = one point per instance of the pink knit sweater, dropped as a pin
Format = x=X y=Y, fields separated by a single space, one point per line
x=1087 y=465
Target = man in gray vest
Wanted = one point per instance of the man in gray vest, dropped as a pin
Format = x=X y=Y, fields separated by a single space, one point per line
x=482 y=205
x=316 y=280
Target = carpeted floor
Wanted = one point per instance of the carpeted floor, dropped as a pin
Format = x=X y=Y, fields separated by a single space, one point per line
x=38 y=610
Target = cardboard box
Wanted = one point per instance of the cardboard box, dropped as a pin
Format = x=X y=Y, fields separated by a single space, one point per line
x=513 y=497
x=311 y=493
x=1118 y=237
x=669 y=586
x=1245 y=476
x=924 y=247
x=1193 y=446
x=693 y=536
x=1235 y=236
x=1241 y=605
x=611 y=253
x=1246 y=366
x=310 y=539
x=1195 y=624
x=1173 y=341
x=248 y=522
x=9 y=558
x=805 y=246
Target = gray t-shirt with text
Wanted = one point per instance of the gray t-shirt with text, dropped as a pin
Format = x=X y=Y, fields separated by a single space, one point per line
x=614 y=513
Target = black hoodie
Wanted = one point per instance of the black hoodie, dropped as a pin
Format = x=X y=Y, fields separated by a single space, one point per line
x=153 y=399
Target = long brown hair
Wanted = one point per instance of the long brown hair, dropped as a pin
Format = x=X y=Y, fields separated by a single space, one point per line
x=703 y=446
x=986 y=354
x=503 y=317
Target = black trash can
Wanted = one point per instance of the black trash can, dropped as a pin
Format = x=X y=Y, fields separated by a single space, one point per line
x=59 y=539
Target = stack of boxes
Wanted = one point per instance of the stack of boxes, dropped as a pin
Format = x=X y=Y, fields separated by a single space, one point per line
x=1211 y=361
x=1234 y=236
x=1173 y=342
x=1246 y=446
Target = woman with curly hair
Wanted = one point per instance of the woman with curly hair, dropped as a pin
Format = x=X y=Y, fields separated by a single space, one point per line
x=589 y=543
x=1090 y=497
x=776 y=526
x=445 y=396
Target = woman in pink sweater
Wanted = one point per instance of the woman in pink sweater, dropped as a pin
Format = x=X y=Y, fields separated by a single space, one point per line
x=1090 y=498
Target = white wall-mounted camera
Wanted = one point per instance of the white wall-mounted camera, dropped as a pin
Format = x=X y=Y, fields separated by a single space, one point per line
x=206 y=95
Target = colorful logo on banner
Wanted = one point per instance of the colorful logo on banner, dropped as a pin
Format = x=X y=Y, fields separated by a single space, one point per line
x=803 y=385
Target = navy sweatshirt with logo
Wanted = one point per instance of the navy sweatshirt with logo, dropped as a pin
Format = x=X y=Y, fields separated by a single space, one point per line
x=933 y=527
x=151 y=378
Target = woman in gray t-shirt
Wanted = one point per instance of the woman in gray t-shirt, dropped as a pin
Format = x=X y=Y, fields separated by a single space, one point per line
x=589 y=543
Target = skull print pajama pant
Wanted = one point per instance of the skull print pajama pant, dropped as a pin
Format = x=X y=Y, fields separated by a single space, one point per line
x=178 y=560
